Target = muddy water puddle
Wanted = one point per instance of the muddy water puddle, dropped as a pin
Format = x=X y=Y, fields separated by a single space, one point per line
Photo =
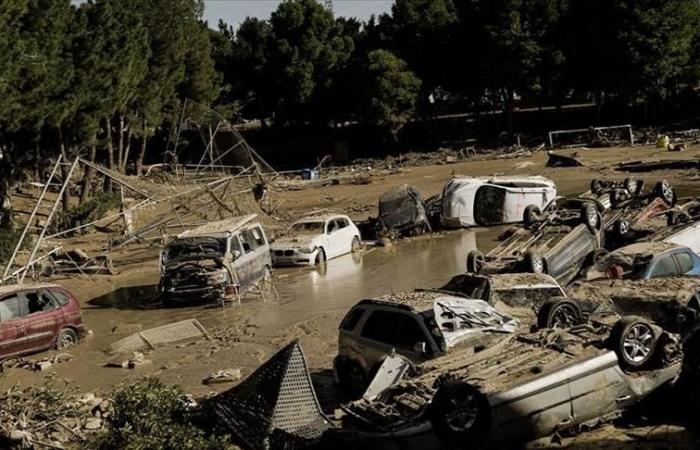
x=427 y=261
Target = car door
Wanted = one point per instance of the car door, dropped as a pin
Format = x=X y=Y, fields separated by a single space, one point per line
x=567 y=256
x=345 y=234
x=12 y=330
x=244 y=264
x=332 y=247
x=43 y=320
x=687 y=262
x=598 y=388
x=662 y=266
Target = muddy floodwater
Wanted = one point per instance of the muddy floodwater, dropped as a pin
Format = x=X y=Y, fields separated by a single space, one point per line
x=131 y=305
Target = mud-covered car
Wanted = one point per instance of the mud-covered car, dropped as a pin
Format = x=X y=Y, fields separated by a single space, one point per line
x=558 y=241
x=682 y=233
x=525 y=387
x=514 y=290
x=671 y=302
x=313 y=240
x=402 y=211
x=484 y=201
x=420 y=325
x=216 y=261
x=644 y=260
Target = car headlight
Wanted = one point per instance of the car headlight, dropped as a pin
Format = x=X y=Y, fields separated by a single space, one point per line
x=306 y=250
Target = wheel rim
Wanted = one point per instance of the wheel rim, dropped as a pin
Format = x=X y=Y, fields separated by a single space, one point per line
x=637 y=343
x=66 y=339
x=592 y=216
x=355 y=246
x=667 y=192
x=624 y=227
x=462 y=413
x=564 y=316
x=537 y=264
x=631 y=186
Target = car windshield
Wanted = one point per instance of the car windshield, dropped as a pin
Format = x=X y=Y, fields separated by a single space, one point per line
x=531 y=297
x=196 y=248
x=307 y=228
x=617 y=265
x=489 y=204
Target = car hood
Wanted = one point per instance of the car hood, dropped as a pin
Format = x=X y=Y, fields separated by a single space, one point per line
x=297 y=241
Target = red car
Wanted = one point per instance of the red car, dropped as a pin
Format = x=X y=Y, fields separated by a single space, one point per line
x=37 y=317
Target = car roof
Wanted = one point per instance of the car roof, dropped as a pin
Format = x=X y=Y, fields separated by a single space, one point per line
x=507 y=179
x=320 y=217
x=220 y=227
x=10 y=288
x=416 y=301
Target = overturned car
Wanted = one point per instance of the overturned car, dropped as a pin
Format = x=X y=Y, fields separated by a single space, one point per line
x=215 y=261
x=402 y=211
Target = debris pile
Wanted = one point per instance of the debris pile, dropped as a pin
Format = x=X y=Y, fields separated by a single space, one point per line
x=49 y=417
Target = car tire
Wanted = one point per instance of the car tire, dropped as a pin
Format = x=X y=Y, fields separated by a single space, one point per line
x=535 y=263
x=559 y=313
x=350 y=376
x=591 y=217
x=66 y=337
x=664 y=191
x=475 y=261
x=678 y=217
x=320 y=256
x=531 y=215
x=355 y=244
x=622 y=227
x=634 y=340
x=460 y=415
x=631 y=185
x=596 y=185
x=618 y=196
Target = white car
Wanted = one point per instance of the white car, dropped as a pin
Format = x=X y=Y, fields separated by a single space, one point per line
x=313 y=240
x=483 y=201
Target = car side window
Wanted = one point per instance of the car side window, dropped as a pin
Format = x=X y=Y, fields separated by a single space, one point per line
x=258 y=236
x=685 y=261
x=352 y=319
x=664 y=266
x=60 y=296
x=236 y=246
x=342 y=223
x=248 y=241
x=331 y=227
x=38 y=301
x=381 y=327
x=408 y=332
x=10 y=308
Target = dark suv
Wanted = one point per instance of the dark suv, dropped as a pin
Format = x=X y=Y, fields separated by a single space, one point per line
x=37 y=317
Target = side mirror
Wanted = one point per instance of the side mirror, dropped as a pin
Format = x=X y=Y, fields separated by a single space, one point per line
x=420 y=348
x=236 y=254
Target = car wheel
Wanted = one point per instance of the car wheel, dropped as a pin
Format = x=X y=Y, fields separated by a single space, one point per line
x=678 y=217
x=559 y=314
x=631 y=185
x=664 y=191
x=535 y=263
x=459 y=414
x=321 y=256
x=355 y=245
x=634 y=340
x=591 y=217
x=66 y=338
x=619 y=195
x=596 y=185
x=622 y=227
x=531 y=215
x=350 y=376
x=475 y=261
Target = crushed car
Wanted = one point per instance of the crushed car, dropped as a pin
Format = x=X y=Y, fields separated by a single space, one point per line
x=645 y=260
x=313 y=240
x=216 y=261
x=420 y=325
x=485 y=201
x=37 y=317
x=402 y=212
x=558 y=241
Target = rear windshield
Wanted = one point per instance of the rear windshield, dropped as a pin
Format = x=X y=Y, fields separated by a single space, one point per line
x=488 y=205
x=196 y=247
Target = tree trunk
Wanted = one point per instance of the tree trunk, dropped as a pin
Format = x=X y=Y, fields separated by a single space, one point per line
x=110 y=157
x=142 y=152
x=125 y=159
x=87 y=176
x=510 y=109
x=120 y=142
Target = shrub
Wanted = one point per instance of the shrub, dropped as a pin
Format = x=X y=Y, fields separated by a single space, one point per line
x=153 y=416
x=8 y=241
x=88 y=211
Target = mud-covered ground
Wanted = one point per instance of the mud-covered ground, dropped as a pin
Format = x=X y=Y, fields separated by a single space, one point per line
x=313 y=301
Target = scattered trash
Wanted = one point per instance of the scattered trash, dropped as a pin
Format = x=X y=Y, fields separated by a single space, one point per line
x=166 y=334
x=223 y=376
x=667 y=164
x=135 y=360
x=559 y=160
x=676 y=147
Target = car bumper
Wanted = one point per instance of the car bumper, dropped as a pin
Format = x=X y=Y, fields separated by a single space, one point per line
x=293 y=258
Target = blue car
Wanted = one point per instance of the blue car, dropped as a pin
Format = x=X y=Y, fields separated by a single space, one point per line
x=645 y=260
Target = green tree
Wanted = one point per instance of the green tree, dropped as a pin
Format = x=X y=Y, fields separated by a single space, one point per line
x=390 y=91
